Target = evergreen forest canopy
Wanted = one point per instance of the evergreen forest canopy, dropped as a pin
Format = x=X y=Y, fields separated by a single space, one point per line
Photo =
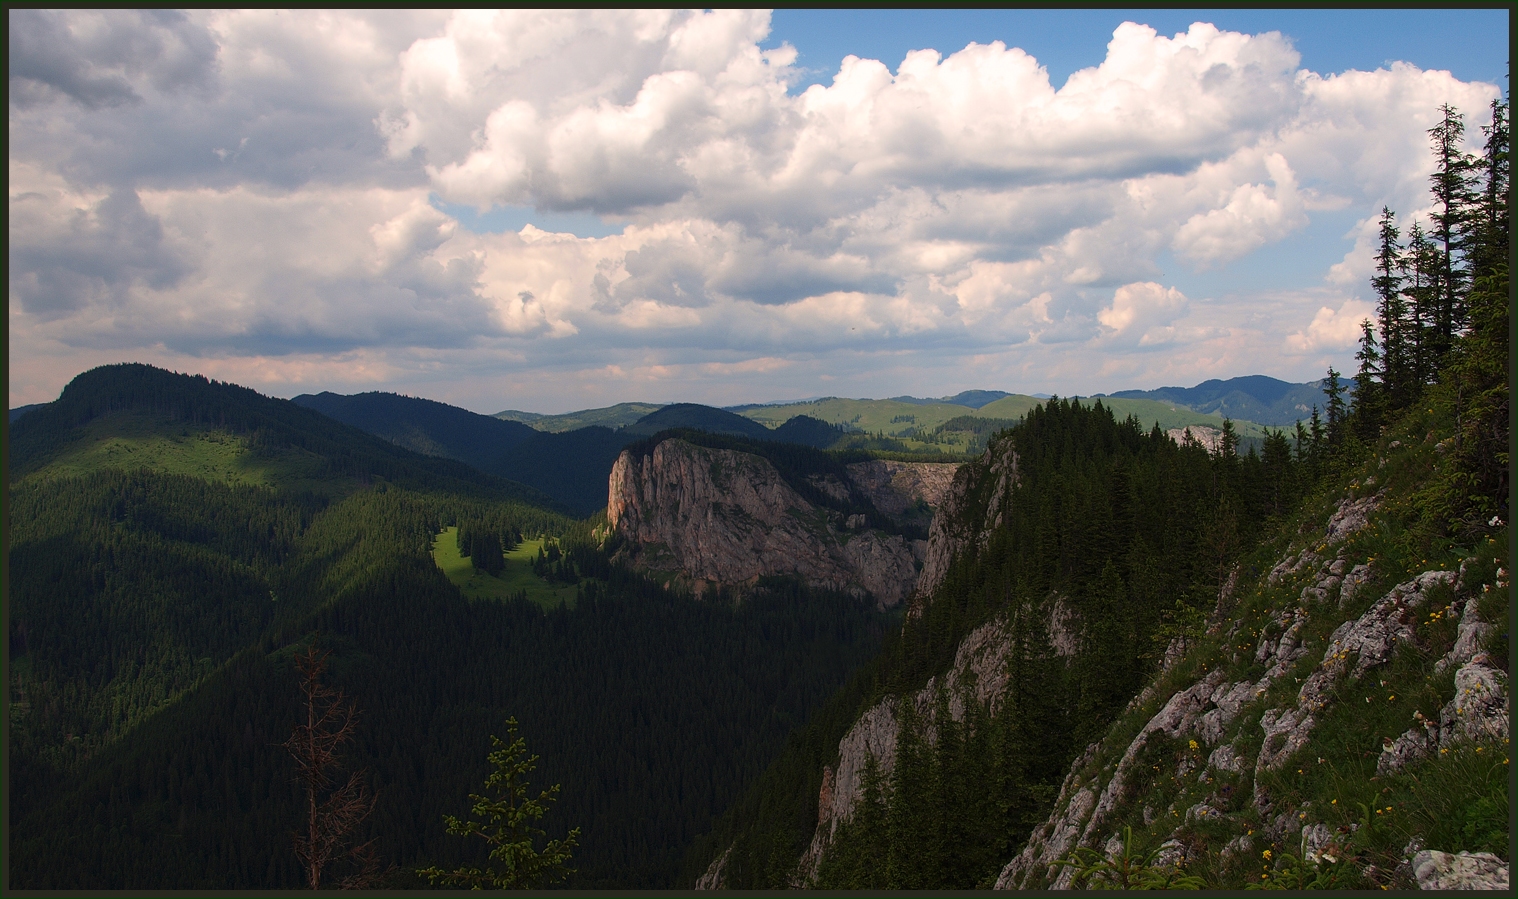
x=155 y=617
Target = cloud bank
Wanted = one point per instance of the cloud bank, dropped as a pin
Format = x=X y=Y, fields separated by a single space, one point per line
x=257 y=195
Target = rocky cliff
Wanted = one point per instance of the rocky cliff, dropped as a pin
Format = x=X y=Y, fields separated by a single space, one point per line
x=1340 y=719
x=978 y=675
x=721 y=516
x=1249 y=731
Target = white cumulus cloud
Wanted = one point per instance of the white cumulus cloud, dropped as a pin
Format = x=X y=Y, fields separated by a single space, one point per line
x=270 y=185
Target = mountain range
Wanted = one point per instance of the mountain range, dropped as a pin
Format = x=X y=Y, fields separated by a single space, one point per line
x=1254 y=398
x=808 y=645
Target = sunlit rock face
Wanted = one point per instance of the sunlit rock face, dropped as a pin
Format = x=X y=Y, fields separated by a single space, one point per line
x=719 y=516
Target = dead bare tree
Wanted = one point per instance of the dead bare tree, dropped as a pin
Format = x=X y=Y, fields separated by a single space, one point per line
x=331 y=822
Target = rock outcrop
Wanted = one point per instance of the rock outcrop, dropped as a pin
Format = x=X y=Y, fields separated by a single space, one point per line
x=719 y=516
x=978 y=675
x=906 y=491
x=1436 y=870
x=973 y=506
x=1212 y=714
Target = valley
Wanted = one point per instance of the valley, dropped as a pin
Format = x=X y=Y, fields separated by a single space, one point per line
x=912 y=663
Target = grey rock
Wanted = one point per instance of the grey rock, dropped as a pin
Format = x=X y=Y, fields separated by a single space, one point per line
x=979 y=674
x=1407 y=750
x=1435 y=870
x=1469 y=636
x=957 y=528
x=1225 y=758
x=712 y=879
x=1479 y=709
x=726 y=517
x=1357 y=578
x=895 y=488
x=1351 y=516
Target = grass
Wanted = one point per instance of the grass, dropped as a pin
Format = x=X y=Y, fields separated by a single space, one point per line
x=133 y=440
x=889 y=417
x=515 y=579
x=1456 y=800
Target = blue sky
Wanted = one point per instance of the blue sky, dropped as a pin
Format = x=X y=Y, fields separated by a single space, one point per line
x=1470 y=43
x=1329 y=40
x=552 y=210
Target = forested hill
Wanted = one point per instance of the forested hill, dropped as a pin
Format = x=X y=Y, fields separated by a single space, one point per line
x=1142 y=664
x=123 y=416
x=1256 y=398
x=173 y=542
x=426 y=426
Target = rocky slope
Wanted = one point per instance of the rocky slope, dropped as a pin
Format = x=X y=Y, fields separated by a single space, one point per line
x=1279 y=690
x=721 y=516
x=1340 y=719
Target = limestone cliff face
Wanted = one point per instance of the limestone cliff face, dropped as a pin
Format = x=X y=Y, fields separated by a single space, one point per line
x=978 y=675
x=727 y=517
x=906 y=491
x=973 y=506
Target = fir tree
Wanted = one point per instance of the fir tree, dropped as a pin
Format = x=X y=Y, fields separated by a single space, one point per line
x=1396 y=368
x=1453 y=196
x=1336 y=407
x=508 y=822
x=1368 y=405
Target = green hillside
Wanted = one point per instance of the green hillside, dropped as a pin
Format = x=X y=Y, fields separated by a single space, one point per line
x=892 y=418
x=517 y=579
x=920 y=426
x=618 y=416
x=174 y=541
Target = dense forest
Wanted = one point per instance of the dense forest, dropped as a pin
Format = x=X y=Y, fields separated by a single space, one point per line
x=155 y=617
x=1137 y=536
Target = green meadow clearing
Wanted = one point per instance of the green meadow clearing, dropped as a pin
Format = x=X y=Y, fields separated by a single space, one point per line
x=517 y=577
x=133 y=440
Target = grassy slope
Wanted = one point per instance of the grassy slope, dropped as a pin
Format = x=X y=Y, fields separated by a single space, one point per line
x=1457 y=800
x=1169 y=415
x=620 y=415
x=516 y=577
x=866 y=415
x=130 y=440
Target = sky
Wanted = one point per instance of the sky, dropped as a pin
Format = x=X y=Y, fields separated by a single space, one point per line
x=550 y=211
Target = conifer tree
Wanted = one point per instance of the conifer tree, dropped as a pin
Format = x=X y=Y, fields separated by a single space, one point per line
x=1336 y=407
x=1453 y=198
x=508 y=823
x=1368 y=405
x=1421 y=261
x=1396 y=366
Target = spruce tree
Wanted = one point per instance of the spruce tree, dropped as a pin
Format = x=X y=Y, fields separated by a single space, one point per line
x=1453 y=196
x=1336 y=407
x=1421 y=261
x=508 y=823
x=1368 y=406
x=1391 y=309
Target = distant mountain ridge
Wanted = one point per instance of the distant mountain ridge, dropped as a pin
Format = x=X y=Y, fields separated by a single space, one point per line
x=422 y=425
x=1256 y=398
x=571 y=466
x=974 y=399
x=618 y=416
